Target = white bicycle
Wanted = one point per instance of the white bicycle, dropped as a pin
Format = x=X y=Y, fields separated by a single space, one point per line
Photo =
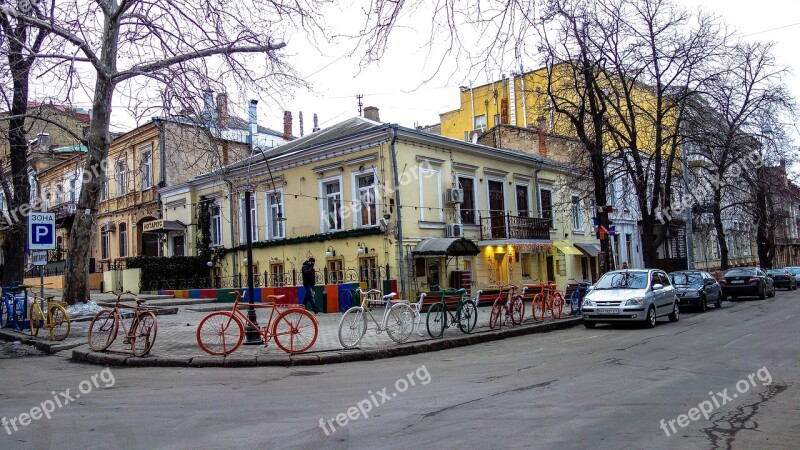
x=397 y=321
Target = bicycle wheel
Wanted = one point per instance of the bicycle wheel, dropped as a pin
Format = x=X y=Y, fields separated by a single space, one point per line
x=35 y=319
x=352 y=327
x=558 y=305
x=103 y=330
x=436 y=320
x=220 y=333
x=3 y=313
x=295 y=330
x=400 y=322
x=143 y=333
x=467 y=316
x=517 y=310
x=59 y=322
x=574 y=303
x=537 y=308
x=495 y=318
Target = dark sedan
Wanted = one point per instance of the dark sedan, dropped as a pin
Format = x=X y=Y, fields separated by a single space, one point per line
x=696 y=288
x=747 y=281
x=782 y=278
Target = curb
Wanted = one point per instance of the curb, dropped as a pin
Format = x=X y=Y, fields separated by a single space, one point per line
x=322 y=357
x=47 y=346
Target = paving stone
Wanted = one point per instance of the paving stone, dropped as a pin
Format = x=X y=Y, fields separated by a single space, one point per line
x=240 y=361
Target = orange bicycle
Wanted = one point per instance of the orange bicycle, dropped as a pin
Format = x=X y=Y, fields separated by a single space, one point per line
x=548 y=299
x=508 y=300
x=140 y=336
x=294 y=328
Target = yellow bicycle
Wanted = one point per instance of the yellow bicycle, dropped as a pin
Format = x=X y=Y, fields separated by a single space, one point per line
x=49 y=314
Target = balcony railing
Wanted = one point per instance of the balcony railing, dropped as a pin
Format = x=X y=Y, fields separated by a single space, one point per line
x=506 y=226
x=64 y=209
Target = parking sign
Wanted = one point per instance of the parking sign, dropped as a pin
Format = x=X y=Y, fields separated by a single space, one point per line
x=41 y=231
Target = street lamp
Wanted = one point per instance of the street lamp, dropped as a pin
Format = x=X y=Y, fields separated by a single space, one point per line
x=252 y=333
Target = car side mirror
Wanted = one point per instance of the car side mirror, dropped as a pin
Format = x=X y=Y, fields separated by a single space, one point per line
x=710 y=282
x=658 y=287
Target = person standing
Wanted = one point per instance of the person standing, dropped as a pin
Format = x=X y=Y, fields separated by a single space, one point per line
x=309 y=279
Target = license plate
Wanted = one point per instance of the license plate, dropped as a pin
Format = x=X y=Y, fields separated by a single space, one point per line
x=737 y=282
x=608 y=311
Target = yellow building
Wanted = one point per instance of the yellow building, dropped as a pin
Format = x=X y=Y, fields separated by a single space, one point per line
x=389 y=207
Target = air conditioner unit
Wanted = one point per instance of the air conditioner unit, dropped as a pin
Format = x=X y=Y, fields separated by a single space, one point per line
x=454 y=196
x=454 y=230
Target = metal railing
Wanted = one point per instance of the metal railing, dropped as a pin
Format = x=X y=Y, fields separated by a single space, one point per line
x=507 y=226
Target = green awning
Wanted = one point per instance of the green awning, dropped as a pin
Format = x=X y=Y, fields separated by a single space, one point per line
x=446 y=247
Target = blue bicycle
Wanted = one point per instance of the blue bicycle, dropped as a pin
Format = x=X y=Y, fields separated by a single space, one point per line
x=576 y=299
x=12 y=307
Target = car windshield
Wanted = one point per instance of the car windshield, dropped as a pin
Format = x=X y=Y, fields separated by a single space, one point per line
x=740 y=272
x=686 y=279
x=776 y=272
x=623 y=280
x=794 y=270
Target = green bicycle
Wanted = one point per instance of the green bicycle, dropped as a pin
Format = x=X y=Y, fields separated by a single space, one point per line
x=466 y=314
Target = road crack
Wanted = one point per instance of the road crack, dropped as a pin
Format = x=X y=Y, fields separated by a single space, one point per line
x=726 y=427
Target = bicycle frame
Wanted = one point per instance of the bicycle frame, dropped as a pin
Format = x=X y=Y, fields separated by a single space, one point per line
x=366 y=307
x=15 y=307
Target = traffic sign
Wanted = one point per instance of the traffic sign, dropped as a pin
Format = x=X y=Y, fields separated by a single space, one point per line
x=39 y=258
x=41 y=231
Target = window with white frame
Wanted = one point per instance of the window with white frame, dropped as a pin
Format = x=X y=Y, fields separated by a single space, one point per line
x=216 y=224
x=123 y=239
x=120 y=174
x=59 y=193
x=147 y=170
x=104 y=190
x=522 y=200
x=367 y=196
x=46 y=200
x=577 y=214
x=469 y=214
x=332 y=208
x=275 y=215
x=480 y=122
x=104 y=244
x=243 y=219
x=73 y=191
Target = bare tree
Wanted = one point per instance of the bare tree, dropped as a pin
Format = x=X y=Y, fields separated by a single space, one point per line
x=172 y=43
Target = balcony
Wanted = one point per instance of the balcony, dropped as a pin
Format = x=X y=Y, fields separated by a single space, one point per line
x=506 y=226
x=65 y=213
x=131 y=199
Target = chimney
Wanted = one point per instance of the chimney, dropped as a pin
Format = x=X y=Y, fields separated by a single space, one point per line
x=287 y=125
x=300 y=114
x=371 y=113
x=209 y=111
x=316 y=124
x=252 y=121
x=222 y=110
x=542 y=138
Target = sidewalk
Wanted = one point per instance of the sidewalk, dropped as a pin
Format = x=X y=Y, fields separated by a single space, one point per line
x=176 y=342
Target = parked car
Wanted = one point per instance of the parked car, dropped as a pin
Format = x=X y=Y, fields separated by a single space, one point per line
x=696 y=288
x=782 y=278
x=794 y=271
x=638 y=295
x=746 y=281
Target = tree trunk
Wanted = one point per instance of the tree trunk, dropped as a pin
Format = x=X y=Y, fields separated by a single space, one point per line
x=764 y=244
x=723 y=243
x=649 y=246
x=14 y=244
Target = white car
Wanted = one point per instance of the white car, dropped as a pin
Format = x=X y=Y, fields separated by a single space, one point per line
x=636 y=295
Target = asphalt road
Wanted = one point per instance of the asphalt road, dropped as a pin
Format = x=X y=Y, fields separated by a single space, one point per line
x=606 y=388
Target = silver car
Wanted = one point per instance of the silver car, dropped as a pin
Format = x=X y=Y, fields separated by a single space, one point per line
x=641 y=295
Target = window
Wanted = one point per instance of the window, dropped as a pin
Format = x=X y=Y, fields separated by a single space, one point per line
x=104 y=190
x=577 y=214
x=480 y=122
x=430 y=194
x=367 y=197
x=216 y=225
x=612 y=193
x=59 y=193
x=73 y=191
x=497 y=119
x=104 y=244
x=332 y=198
x=147 y=172
x=243 y=219
x=368 y=271
x=123 y=239
x=335 y=273
x=46 y=202
x=275 y=215
x=276 y=277
x=120 y=174
x=546 y=204
x=522 y=200
x=468 y=214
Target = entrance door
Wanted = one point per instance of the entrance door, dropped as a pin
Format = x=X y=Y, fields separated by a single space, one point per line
x=497 y=210
x=150 y=244
x=551 y=276
x=177 y=245
x=501 y=271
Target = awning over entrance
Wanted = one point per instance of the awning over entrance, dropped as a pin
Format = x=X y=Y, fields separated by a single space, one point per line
x=446 y=247
x=589 y=249
x=567 y=248
x=162 y=226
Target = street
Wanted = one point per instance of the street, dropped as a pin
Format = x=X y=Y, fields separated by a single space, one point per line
x=605 y=388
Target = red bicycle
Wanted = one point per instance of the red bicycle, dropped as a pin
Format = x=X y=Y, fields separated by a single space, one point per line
x=548 y=299
x=509 y=301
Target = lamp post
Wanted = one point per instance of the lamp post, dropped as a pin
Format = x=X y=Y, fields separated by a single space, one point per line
x=253 y=336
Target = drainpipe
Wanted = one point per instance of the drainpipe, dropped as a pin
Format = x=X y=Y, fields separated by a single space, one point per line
x=536 y=187
x=401 y=265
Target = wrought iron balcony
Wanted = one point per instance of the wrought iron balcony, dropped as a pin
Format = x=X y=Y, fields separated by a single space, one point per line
x=64 y=210
x=506 y=226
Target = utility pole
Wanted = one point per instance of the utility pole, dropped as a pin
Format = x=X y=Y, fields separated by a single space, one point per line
x=253 y=336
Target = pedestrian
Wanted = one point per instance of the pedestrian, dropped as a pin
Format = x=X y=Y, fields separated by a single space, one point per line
x=624 y=265
x=309 y=279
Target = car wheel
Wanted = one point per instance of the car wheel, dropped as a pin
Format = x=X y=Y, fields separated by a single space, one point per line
x=589 y=324
x=675 y=315
x=703 y=303
x=718 y=303
x=763 y=293
x=773 y=292
x=650 y=320
x=794 y=288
